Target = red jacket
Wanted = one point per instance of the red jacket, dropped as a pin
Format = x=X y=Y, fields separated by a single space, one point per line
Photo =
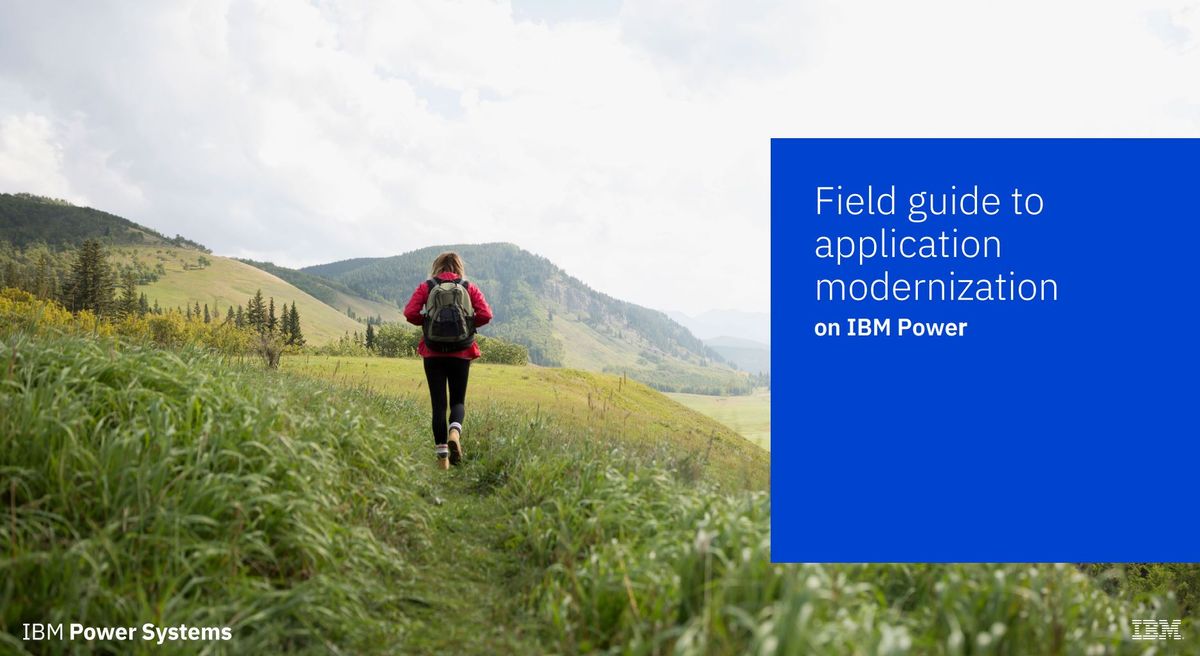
x=412 y=312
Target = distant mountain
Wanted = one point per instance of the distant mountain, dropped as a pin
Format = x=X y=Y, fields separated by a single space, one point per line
x=27 y=219
x=754 y=326
x=748 y=355
x=562 y=321
x=735 y=342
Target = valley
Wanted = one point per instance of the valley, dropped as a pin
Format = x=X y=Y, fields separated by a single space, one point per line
x=749 y=415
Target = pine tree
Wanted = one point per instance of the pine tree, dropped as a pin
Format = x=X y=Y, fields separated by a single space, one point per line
x=128 y=306
x=229 y=316
x=196 y=312
x=91 y=283
x=297 y=337
x=207 y=316
x=248 y=317
x=259 y=312
x=240 y=318
x=272 y=322
x=143 y=304
x=256 y=312
x=157 y=309
x=285 y=324
x=370 y=336
x=43 y=280
x=10 y=274
x=188 y=312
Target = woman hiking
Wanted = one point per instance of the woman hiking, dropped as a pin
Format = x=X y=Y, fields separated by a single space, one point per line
x=449 y=309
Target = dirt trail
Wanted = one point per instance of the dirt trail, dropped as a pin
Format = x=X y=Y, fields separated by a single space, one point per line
x=466 y=598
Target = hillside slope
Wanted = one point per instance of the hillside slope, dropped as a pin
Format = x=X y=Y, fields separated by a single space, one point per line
x=225 y=283
x=26 y=219
x=749 y=415
x=333 y=293
x=557 y=317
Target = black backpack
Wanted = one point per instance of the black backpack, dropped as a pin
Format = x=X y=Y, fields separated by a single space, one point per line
x=449 y=316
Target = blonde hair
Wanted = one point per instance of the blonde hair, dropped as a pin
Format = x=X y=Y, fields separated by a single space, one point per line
x=448 y=262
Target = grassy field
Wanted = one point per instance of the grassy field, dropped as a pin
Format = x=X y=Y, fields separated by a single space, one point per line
x=589 y=349
x=180 y=488
x=749 y=416
x=367 y=308
x=227 y=283
x=602 y=405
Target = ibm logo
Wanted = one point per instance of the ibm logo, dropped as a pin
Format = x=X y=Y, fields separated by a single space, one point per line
x=1156 y=630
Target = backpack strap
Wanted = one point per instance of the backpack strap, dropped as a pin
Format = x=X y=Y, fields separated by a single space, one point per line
x=434 y=282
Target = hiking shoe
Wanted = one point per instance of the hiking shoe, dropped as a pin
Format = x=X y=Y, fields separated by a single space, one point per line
x=455 y=443
x=443 y=456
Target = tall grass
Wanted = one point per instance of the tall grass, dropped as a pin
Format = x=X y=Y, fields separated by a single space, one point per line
x=144 y=485
x=634 y=559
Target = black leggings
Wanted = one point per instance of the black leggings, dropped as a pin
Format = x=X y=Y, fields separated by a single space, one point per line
x=438 y=373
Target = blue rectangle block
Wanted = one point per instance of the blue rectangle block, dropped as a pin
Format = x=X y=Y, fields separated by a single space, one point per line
x=1052 y=417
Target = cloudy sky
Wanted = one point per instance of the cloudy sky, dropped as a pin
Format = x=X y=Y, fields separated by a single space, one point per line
x=620 y=139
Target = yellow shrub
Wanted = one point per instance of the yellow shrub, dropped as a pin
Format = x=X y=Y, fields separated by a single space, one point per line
x=167 y=329
x=220 y=337
x=172 y=329
x=21 y=310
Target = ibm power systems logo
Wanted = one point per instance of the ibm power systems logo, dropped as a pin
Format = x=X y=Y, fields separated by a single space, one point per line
x=1156 y=630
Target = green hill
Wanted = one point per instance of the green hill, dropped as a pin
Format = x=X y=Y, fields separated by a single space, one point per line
x=223 y=282
x=332 y=293
x=562 y=321
x=26 y=219
x=183 y=488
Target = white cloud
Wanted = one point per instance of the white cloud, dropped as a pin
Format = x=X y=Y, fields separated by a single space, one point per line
x=623 y=143
x=31 y=158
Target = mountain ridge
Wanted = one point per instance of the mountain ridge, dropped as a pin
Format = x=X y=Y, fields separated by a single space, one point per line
x=559 y=318
x=28 y=219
